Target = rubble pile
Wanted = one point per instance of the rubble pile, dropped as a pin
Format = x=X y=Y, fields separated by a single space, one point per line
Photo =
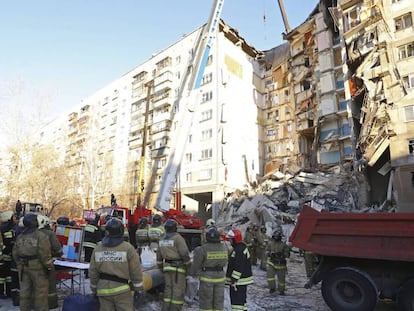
x=279 y=197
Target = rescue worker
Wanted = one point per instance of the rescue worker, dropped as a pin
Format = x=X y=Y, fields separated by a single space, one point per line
x=173 y=258
x=262 y=240
x=156 y=232
x=239 y=270
x=209 y=261
x=32 y=255
x=15 y=287
x=254 y=249
x=142 y=235
x=209 y=223
x=249 y=239
x=56 y=252
x=91 y=237
x=8 y=236
x=113 y=268
x=277 y=252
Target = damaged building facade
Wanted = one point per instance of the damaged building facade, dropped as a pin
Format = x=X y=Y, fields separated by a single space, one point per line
x=350 y=73
x=378 y=43
x=339 y=92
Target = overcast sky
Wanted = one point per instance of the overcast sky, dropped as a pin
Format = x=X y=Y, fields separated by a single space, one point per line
x=65 y=51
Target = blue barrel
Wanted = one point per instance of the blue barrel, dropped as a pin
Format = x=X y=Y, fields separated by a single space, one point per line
x=80 y=302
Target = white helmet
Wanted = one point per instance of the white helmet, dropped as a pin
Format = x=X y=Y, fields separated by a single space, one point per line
x=42 y=221
x=210 y=222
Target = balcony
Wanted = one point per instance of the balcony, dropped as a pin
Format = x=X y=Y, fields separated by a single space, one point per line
x=304 y=95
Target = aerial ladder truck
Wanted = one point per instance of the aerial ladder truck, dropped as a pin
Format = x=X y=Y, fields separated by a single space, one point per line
x=186 y=116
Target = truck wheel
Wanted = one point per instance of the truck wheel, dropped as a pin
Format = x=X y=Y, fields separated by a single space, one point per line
x=405 y=297
x=347 y=289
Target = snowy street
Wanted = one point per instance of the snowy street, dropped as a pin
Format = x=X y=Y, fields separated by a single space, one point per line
x=297 y=298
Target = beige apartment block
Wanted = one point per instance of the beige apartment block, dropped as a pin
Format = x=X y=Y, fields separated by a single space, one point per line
x=118 y=139
x=278 y=116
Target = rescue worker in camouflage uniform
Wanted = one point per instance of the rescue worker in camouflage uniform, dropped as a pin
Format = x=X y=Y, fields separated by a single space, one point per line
x=8 y=236
x=254 y=249
x=114 y=267
x=209 y=261
x=142 y=235
x=173 y=258
x=262 y=240
x=56 y=251
x=91 y=237
x=32 y=255
x=15 y=287
x=249 y=239
x=239 y=270
x=277 y=252
x=156 y=232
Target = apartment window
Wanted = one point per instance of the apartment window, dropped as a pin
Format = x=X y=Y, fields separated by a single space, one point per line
x=277 y=115
x=270 y=132
x=403 y=22
x=406 y=51
x=178 y=60
x=161 y=164
x=209 y=60
x=351 y=18
x=269 y=115
x=207 y=97
x=188 y=157
x=207 y=115
x=305 y=85
x=409 y=113
x=307 y=62
x=207 y=78
x=207 y=134
x=289 y=127
x=188 y=177
x=411 y=146
x=206 y=154
x=409 y=81
x=206 y=174
x=178 y=75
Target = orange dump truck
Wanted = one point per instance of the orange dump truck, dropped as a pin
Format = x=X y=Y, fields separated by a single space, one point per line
x=359 y=257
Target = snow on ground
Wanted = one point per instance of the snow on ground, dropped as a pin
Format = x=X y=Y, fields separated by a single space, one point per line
x=297 y=298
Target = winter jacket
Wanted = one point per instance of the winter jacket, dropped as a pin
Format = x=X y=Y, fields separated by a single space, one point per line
x=239 y=270
x=112 y=267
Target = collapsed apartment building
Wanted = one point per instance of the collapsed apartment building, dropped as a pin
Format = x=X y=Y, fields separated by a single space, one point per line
x=342 y=95
x=337 y=94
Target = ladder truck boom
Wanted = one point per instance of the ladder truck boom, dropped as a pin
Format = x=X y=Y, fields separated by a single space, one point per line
x=185 y=121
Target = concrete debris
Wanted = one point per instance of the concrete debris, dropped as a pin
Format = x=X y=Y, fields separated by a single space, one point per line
x=278 y=198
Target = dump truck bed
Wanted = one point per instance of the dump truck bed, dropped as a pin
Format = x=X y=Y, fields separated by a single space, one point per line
x=388 y=236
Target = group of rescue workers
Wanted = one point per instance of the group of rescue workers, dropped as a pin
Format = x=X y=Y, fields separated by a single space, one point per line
x=28 y=276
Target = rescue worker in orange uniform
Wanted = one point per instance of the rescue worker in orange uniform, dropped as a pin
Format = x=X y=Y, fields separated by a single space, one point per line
x=239 y=270
x=209 y=261
x=173 y=257
x=114 y=267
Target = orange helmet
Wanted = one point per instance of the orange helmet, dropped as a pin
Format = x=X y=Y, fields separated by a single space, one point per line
x=236 y=235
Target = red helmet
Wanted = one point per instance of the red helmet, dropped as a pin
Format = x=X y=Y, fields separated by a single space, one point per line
x=236 y=235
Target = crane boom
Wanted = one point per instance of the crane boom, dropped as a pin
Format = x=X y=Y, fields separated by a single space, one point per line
x=185 y=121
